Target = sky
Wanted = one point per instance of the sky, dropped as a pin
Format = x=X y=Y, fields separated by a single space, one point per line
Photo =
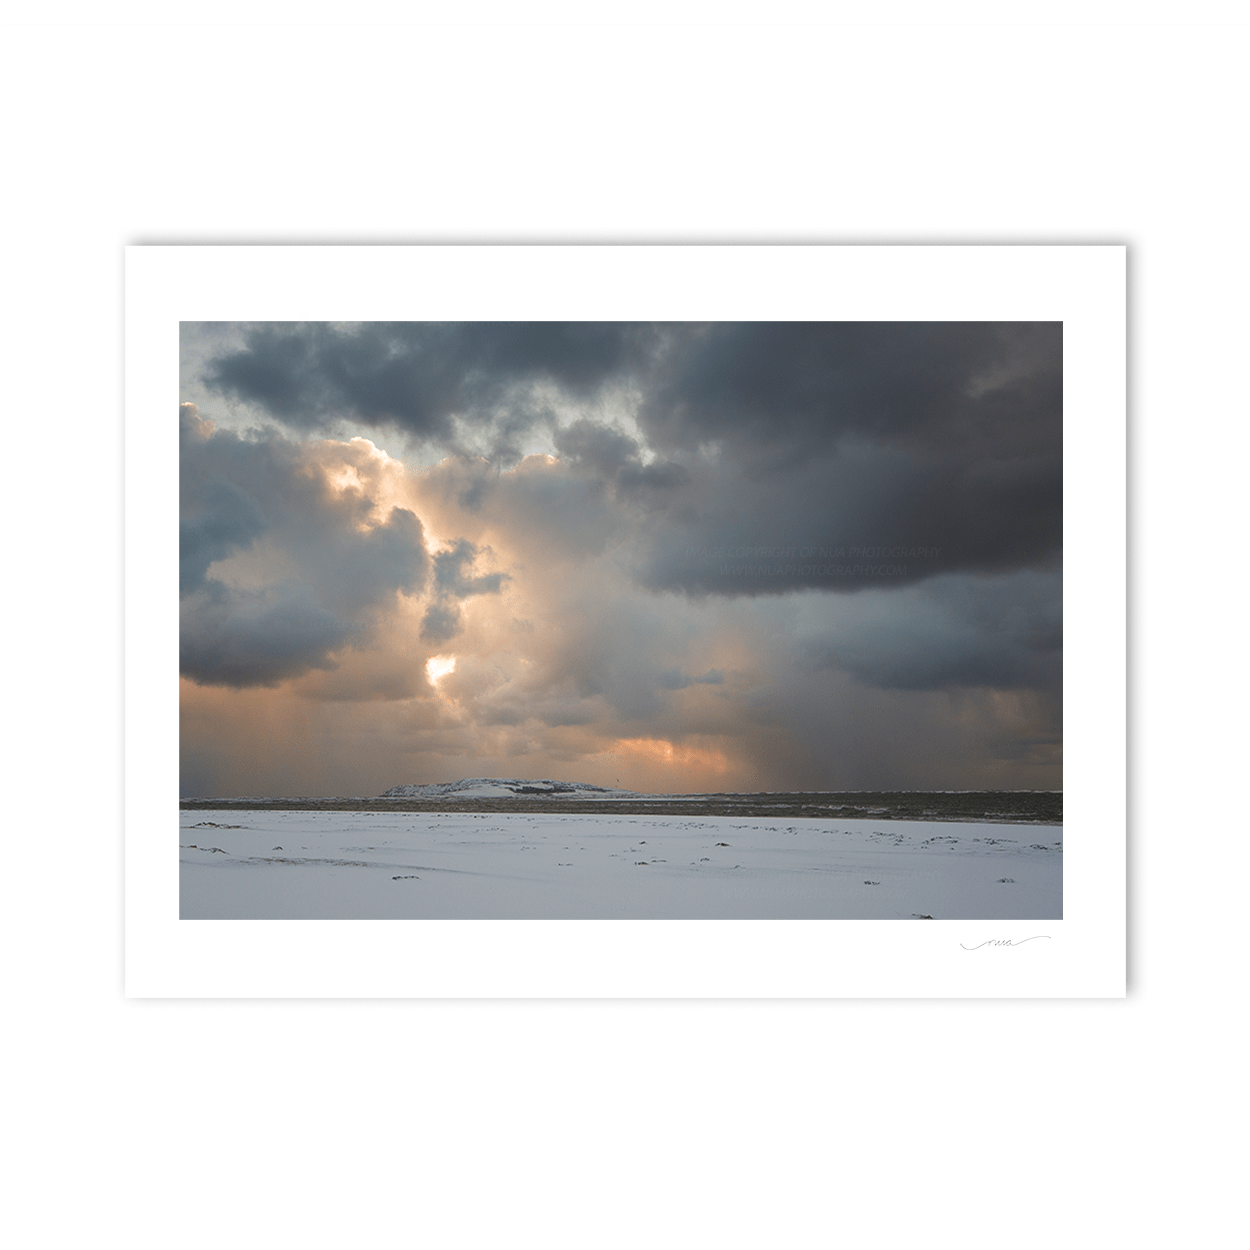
x=670 y=557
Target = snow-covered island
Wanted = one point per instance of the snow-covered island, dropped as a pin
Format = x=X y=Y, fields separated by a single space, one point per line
x=504 y=788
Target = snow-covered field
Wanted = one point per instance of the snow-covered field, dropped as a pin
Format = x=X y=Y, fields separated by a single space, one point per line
x=465 y=865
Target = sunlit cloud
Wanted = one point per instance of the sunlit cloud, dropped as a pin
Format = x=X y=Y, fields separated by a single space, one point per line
x=438 y=666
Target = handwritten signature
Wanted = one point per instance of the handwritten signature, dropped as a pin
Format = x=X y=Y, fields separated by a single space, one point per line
x=1005 y=942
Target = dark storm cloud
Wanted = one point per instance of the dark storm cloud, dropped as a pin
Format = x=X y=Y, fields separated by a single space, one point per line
x=616 y=459
x=602 y=450
x=963 y=631
x=839 y=455
x=861 y=516
x=321 y=567
x=793 y=388
x=416 y=376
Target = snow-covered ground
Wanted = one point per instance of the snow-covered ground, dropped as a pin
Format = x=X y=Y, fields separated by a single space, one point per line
x=369 y=865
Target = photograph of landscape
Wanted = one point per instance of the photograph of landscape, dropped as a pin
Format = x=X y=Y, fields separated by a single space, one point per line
x=594 y=620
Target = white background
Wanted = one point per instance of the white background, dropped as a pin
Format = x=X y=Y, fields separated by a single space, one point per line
x=1081 y=955
x=384 y=1123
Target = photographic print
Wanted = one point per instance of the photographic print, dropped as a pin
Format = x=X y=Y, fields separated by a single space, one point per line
x=706 y=603
x=583 y=620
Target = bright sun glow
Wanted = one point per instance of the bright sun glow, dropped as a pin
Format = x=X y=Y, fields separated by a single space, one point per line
x=438 y=666
x=345 y=478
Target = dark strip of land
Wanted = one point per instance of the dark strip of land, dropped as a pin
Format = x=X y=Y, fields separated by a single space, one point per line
x=1008 y=807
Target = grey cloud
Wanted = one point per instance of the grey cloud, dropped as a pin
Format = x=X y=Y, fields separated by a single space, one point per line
x=232 y=637
x=417 y=376
x=227 y=521
x=615 y=458
x=472 y=496
x=441 y=622
x=449 y=573
x=218 y=517
x=666 y=476
x=599 y=447
x=451 y=584
x=675 y=679
x=1005 y=633
x=318 y=575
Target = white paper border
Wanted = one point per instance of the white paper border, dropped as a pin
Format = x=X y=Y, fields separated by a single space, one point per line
x=1083 y=954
